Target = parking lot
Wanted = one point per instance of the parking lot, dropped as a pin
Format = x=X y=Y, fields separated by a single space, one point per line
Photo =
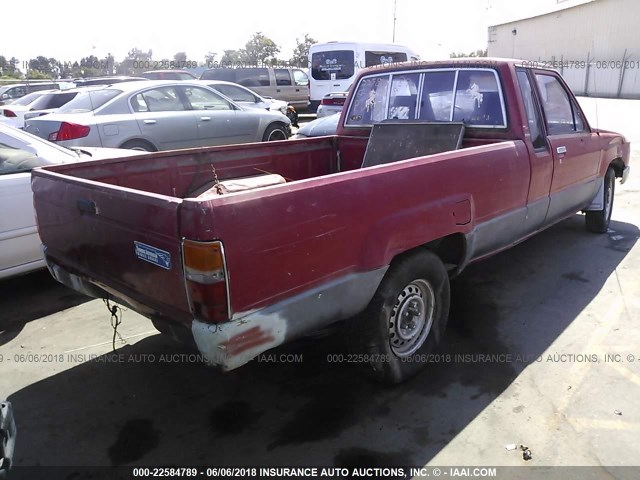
x=542 y=349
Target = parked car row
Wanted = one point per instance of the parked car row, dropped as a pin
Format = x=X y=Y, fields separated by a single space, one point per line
x=157 y=115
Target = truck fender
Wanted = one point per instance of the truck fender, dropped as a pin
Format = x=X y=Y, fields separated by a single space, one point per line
x=417 y=226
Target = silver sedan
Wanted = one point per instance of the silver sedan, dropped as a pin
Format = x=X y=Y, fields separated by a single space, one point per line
x=157 y=115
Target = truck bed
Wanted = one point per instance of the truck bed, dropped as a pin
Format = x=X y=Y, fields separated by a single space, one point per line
x=329 y=220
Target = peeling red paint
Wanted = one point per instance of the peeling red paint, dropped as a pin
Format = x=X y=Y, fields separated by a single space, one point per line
x=246 y=340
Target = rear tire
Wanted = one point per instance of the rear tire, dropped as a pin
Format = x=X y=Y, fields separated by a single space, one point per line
x=140 y=145
x=597 y=221
x=405 y=320
x=275 y=132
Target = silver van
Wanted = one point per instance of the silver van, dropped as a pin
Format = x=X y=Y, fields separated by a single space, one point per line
x=288 y=84
x=9 y=93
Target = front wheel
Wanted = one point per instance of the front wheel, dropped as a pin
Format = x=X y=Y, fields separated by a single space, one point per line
x=405 y=320
x=275 y=132
x=598 y=220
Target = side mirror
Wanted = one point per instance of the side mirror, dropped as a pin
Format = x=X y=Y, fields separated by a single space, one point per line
x=4 y=96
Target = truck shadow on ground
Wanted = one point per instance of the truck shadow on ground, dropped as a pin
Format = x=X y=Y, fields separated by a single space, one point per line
x=157 y=406
x=43 y=295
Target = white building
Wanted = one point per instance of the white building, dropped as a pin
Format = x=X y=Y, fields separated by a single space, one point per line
x=594 y=43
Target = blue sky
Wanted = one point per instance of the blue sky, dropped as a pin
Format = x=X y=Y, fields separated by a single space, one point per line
x=74 y=29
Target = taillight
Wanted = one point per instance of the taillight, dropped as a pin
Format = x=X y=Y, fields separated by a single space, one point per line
x=333 y=101
x=9 y=113
x=69 y=131
x=206 y=280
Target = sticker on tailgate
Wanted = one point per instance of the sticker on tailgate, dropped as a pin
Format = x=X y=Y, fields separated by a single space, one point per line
x=153 y=255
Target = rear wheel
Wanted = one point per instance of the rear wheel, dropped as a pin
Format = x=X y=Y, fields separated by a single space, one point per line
x=275 y=132
x=598 y=220
x=405 y=320
x=140 y=145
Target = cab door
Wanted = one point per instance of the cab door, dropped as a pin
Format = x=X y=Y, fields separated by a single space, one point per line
x=540 y=155
x=575 y=149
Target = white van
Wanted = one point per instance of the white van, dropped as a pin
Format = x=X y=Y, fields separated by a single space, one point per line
x=333 y=65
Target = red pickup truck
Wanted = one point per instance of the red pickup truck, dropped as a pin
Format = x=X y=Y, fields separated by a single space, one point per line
x=245 y=247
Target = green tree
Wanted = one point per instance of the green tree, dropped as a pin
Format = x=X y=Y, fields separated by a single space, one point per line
x=135 y=62
x=232 y=56
x=209 y=59
x=260 y=49
x=180 y=59
x=300 y=56
x=40 y=67
x=9 y=68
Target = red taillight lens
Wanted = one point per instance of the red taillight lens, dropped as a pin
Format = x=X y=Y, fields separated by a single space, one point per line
x=206 y=280
x=69 y=131
x=333 y=101
x=9 y=113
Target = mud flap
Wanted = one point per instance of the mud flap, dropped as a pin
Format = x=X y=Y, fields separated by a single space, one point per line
x=7 y=438
x=598 y=201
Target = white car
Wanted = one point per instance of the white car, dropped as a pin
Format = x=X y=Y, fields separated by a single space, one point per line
x=331 y=104
x=19 y=153
x=13 y=113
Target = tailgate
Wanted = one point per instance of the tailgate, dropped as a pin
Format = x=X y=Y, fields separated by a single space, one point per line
x=123 y=240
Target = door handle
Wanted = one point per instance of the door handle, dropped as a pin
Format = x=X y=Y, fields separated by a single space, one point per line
x=561 y=150
x=278 y=90
x=205 y=119
x=149 y=122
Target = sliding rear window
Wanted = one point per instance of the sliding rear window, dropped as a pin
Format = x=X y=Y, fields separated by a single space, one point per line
x=472 y=96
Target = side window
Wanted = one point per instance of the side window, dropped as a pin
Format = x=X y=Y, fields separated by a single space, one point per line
x=300 y=78
x=138 y=103
x=369 y=103
x=283 y=77
x=533 y=115
x=235 y=93
x=404 y=96
x=203 y=99
x=478 y=100
x=17 y=92
x=164 y=99
x=437 y=96
x=14 y=159
x=557 y=106
x=253 y=77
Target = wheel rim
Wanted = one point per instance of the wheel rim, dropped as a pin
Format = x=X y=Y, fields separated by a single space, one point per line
x=276 y=135
x=411 y=318
x=608 y=200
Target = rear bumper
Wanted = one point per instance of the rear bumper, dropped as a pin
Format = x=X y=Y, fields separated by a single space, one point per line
x=232 y=344
x=7 y=437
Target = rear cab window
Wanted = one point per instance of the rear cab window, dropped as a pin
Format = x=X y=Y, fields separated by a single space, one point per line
x=470 y=95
